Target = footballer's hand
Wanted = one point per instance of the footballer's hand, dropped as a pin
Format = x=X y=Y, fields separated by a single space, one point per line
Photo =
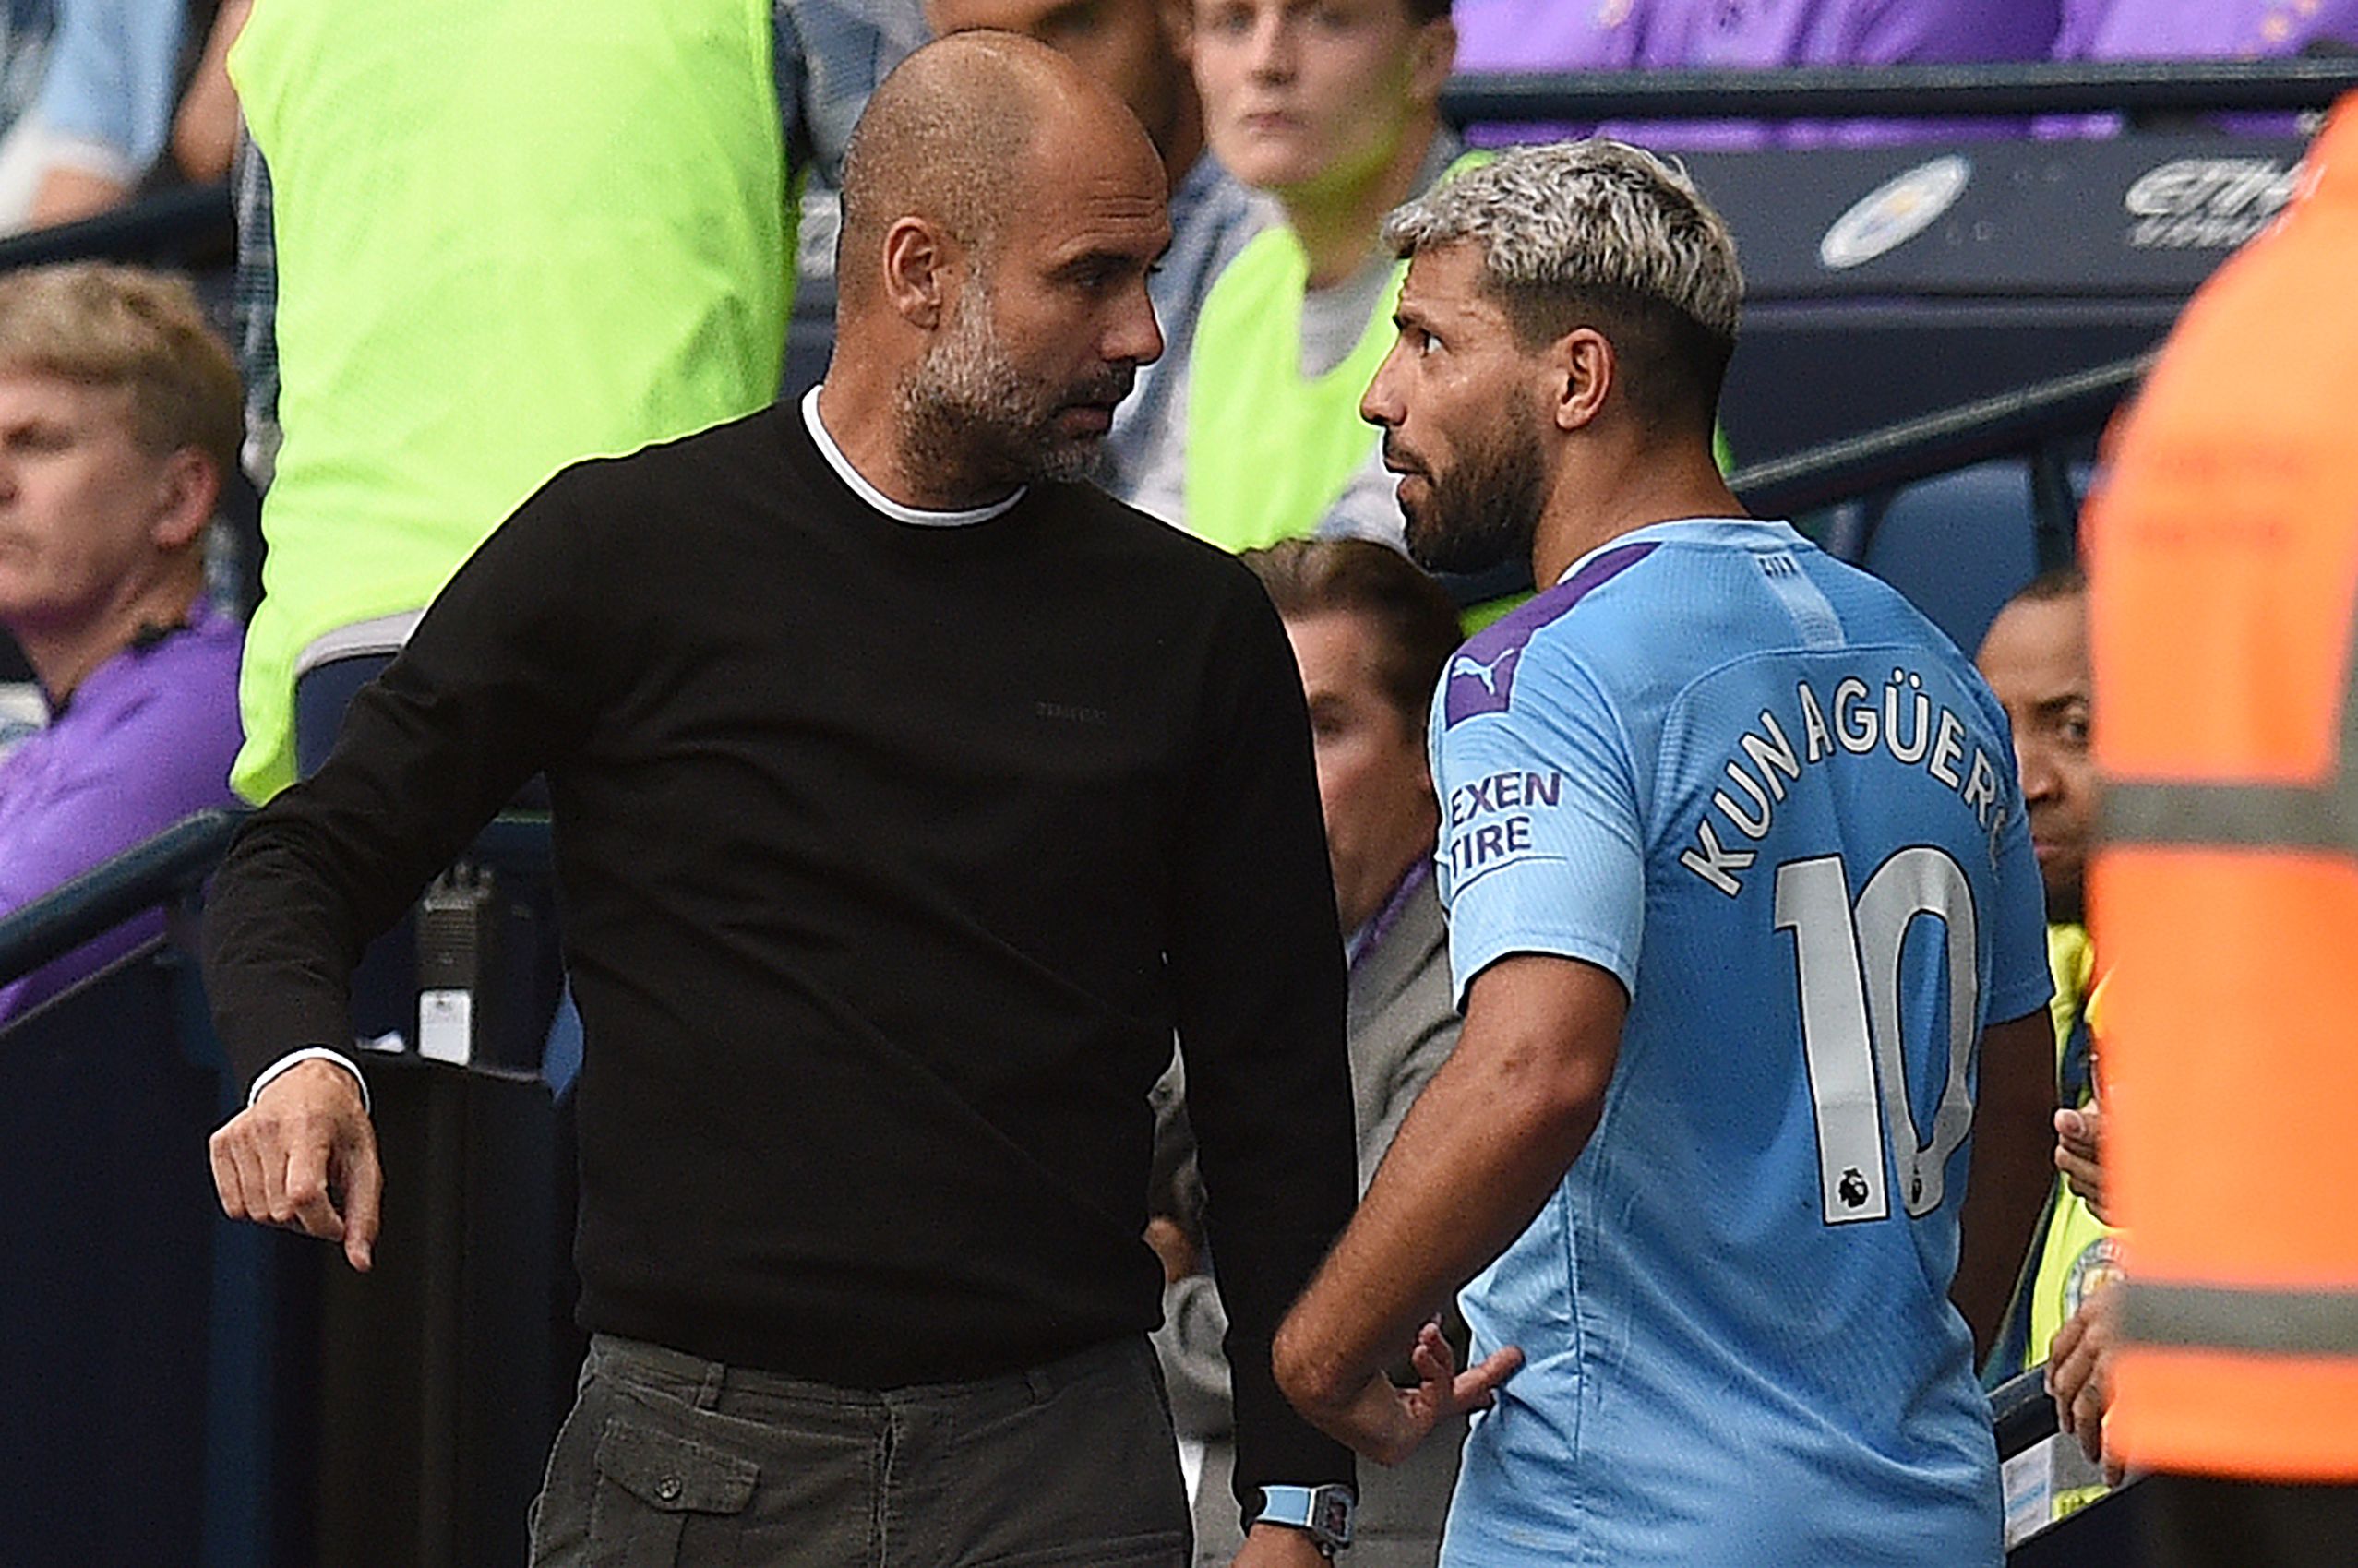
x=2079 y=1376
x=2079 y=1155
x=1388 y=1423
x=304 y=1156
x=1278 y=1546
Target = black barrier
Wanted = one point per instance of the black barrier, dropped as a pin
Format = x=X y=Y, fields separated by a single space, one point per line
x=2021 y=1413
x=2007 y=424
x=191 y=226
x=1900 y=92
x=143 y=1394
x=2100 y=1533
x=146 y=875
x=178 y=1389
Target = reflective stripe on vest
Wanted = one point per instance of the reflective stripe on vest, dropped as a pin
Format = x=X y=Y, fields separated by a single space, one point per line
x=2287 y=1323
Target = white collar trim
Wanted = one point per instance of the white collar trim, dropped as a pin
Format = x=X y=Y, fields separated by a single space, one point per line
x=914 y=516
x=1754 y=530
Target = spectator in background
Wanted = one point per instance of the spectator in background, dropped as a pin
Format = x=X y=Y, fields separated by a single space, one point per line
x=1723 y=34
x=1544 y=36
x=2217 y=30
x=1547 y=36
x=102 y=115
x=2035 y=658
x=27 y=27
x=205 y=127
x=1138 y=49
x=1371 y=634
x=1334 y=110
x=118 y=421
x=629 y=160
x=1534 y=35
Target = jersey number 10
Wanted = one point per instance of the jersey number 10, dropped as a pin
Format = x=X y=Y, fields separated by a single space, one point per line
x=1851 y=1023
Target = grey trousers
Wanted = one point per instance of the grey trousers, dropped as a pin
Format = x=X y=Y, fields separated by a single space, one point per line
x=670 y=1460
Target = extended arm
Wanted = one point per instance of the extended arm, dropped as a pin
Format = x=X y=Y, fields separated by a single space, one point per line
x=1256 y=966
x=1488 y=1140
x=2011 y=1170
x=493 y=685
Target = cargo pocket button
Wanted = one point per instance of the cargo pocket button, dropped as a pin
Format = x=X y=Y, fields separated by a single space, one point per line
x=669 y=1489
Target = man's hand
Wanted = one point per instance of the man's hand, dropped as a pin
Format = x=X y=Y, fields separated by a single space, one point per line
x=2079 y=1155
x=302 y=1147
x=2079 y=1375
x=1278 y=1546
x=1387 y=1423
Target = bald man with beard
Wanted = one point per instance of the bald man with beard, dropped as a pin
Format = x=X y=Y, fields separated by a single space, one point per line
x=908 y=796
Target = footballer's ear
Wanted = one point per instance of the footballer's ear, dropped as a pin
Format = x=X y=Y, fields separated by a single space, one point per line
x=1584 y=374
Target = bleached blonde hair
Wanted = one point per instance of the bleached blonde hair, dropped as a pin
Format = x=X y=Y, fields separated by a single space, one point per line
x=1580 y=215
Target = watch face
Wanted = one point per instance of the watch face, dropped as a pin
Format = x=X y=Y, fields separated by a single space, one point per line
x=1333 y=1513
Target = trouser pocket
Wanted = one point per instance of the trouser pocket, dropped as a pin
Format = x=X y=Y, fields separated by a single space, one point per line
x=656 y=1486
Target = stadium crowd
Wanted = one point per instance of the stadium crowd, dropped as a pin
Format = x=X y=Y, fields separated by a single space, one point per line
x=1585 y=1006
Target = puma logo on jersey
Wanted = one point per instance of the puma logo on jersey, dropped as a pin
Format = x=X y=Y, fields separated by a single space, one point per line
x=1487 y=674
x=1482 y=675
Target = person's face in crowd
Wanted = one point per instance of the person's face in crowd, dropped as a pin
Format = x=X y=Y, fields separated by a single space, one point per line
x=1463 y=423
x=84 y=510
x=1372 y=781
x=2035 y=659
x=1050 y=320
x=1301 y=96
x=1125 y=44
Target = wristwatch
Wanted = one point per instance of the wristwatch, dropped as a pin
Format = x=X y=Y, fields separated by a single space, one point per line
x=1324 y=1512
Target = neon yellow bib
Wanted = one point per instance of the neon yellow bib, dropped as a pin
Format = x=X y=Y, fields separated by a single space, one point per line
x=509 y=237
x=1269 y=450
x=2076 y=1254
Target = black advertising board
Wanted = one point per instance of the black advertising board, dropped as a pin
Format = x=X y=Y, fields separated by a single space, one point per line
x=1888 y=282
x=2139 y=215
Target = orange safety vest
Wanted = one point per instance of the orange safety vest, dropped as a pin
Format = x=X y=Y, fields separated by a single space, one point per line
x=2223 y=552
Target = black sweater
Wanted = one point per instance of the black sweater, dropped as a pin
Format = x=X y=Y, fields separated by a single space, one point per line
x=889 y=858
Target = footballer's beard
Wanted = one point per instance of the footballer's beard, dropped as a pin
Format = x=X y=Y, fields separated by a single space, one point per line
x=1484 y=508
x=970 y=416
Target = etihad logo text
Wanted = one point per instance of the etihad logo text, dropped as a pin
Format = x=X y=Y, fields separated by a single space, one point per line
x=2205 y=203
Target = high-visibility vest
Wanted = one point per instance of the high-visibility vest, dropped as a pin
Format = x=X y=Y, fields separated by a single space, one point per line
x=1270 y=450
x=2224 y=566
x=509 y=236
x=2075 y=1252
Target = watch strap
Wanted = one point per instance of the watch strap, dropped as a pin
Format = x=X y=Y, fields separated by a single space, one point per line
x=1323 y=1511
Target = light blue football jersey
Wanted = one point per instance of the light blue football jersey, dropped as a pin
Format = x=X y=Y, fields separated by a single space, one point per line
x=1772 y=798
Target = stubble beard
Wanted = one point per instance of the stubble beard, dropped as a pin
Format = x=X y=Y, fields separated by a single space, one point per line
x=971 y=417
x=1485 y=508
